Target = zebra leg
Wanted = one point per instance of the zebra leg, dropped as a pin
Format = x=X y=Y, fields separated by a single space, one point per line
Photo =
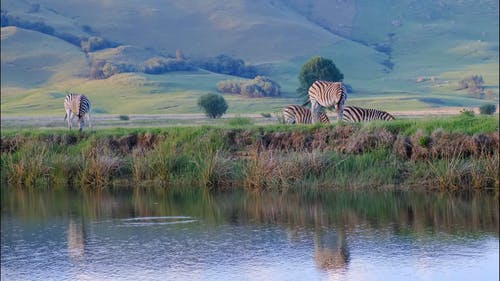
x=88 y=119
x=340 y=112
x=315 y=108
x=68 y=117
x=81 y=123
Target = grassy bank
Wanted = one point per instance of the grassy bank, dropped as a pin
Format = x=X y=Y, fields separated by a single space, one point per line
x=452 y=153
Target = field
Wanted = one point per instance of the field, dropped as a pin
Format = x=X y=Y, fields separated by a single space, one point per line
x=104 y=121
x=412 y=59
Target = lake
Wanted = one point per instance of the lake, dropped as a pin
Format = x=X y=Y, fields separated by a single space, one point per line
x=192 y=234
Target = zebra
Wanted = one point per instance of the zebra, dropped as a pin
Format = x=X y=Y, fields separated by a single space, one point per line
x=297 y=114
x=359 y=114
x=77 y=105
x=327 y=94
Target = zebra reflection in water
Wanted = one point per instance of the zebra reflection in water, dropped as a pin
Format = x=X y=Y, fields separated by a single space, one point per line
x=330 y=249
x=76 y=240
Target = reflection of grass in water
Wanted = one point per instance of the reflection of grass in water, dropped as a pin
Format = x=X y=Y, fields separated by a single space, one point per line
x=405 y=213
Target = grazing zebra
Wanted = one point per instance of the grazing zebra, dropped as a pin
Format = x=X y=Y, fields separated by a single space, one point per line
x=77 y=105
x=358 y=114
x=297 y=114
x=327 y=94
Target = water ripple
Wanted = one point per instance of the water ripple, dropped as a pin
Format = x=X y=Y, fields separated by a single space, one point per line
x=154 y=221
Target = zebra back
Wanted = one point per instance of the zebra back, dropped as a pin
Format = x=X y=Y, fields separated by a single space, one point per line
x=328 y=94
x=297 y=114
x=78 y=104
x=359 y=114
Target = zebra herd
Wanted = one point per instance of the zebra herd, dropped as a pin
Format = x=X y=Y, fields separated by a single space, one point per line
x=323 y=94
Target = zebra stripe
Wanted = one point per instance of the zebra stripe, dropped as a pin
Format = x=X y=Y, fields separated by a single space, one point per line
x=77 y=105
x=359 y=114
x=296 y=114
x=327 y=94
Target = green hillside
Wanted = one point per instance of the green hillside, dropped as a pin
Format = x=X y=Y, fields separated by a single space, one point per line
x=396 y=55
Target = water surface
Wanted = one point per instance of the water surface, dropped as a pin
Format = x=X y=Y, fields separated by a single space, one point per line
x=194 y=235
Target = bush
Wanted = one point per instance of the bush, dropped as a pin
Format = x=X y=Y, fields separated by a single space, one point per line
x=214 y=105
x=487 y=109
x=100 y=69
x=240 y=121
x=260 y=86
x=94 y=43
x=158 y=65
x=473 y=84
x=227 y=65
x=466 y=113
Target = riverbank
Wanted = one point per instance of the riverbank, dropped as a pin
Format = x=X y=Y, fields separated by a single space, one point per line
x=444 y=153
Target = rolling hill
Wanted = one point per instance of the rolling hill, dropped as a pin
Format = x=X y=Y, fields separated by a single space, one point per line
x=396 y=55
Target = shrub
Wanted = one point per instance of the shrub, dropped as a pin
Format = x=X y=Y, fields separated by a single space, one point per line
x=240 y=121
x=466 y=113
x=260 y=86
x=473 y=84
x=158 y=65
x=94 y=43
x=100 y=69
x=227 y=65
x=214 y=105
x=487 y=109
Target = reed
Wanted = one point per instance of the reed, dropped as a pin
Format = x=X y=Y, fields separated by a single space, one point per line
x=28 y=166
x=276 y=157
x=96 y=165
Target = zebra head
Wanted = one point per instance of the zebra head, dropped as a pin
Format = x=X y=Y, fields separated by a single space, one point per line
x=81 y=123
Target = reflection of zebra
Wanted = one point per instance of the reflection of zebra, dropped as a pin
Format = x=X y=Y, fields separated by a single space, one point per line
x=358 y=114
x=77 y=105
x=327 y=94
x=296 y=114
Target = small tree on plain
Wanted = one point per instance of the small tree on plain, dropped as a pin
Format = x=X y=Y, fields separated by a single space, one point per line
x=487 y=109
x=214 y=105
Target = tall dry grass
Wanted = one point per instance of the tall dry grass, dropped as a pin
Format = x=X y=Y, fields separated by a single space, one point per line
x=96 y=166
x=28 y=167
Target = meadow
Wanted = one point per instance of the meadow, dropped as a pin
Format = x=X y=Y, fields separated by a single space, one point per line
x=440 y=153
x=413 y=59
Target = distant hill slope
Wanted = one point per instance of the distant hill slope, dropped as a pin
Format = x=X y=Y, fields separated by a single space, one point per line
x=382 y=47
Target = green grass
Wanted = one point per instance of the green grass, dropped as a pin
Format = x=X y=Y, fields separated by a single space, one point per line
x=446 y=153
x=441 y=42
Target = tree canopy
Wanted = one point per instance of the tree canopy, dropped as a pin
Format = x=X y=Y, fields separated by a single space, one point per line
x=317 y=68
x=214 y=105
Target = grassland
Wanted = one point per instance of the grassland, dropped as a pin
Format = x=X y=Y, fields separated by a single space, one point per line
x=446 y=153
x=382 y=58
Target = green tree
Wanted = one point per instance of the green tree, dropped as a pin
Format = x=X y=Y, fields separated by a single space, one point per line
x=214 y=105
x=317 y=68
x=487 y=109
